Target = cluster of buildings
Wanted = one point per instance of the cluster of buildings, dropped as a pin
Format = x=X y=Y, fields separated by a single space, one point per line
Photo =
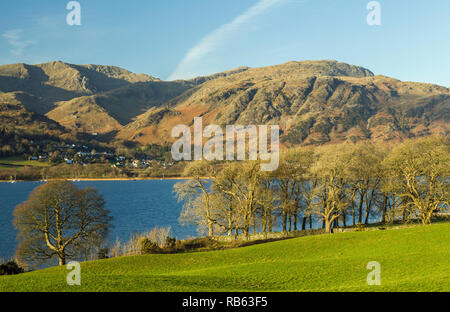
x=82 y=154
x=140 y=163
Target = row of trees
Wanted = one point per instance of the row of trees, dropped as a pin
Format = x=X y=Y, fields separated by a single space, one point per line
x=334 y=185
x=63 y=171
x=90 y=171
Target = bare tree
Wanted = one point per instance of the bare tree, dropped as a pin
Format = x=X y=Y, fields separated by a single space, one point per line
x=266 y=201
x=291 y=172
x=55 y=217
x=420 y=173
x=195 y=194
x=240 y=181
x=334 y=192
x=365 y=175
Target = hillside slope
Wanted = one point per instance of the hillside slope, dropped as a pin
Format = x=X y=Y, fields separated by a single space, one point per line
x=58 y=81
x=40 y=88
x=314 y=102
x=21 y=129
x=15 y=116
x=412 y=259
x=108 y=111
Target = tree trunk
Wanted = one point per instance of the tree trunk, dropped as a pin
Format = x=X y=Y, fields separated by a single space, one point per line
x=254 y=223
x=264 y=223
x=353 y=214
x=368 y=206
x=284 y=221
x=290 y=222
x=328 y=226
x=210 y=229
x=384 y=217
x=390 y=209
x=367 y=217
x=62 y=260
x=270 y=224
x=295 y=222
x=361 y=201
x=304 y=223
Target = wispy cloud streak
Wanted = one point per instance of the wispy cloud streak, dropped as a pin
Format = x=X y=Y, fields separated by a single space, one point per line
x=14 y=38
x=186 y=68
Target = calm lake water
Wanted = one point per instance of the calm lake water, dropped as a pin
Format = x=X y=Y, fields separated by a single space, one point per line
x=136 y=206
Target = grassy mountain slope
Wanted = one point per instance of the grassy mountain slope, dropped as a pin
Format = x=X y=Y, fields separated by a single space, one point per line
x=14 y=115
x=110 y=110
x=84 y=115
x=21 y=129
x=314 y=102
x=412 y=259
x=122 y=105
x=62 y=91
x=58 y=81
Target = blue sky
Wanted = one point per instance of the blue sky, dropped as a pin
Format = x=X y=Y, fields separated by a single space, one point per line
x=185 y=38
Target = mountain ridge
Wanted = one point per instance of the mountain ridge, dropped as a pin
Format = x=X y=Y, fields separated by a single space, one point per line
x=314 y=102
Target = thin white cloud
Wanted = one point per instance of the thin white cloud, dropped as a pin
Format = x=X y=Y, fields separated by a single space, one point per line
x=14 y=38
x=187 y=67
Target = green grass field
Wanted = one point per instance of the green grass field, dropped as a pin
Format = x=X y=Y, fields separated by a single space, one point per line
x=412 y=259
x=11 y=162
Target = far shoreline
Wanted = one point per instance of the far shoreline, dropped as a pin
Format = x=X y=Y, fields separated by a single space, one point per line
x=99 y=179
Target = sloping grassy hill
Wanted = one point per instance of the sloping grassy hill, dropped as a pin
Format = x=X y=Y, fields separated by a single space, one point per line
x=412 y=259
x=313 y=102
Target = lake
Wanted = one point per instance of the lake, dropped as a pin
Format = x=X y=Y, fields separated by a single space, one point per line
x=136 y=206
